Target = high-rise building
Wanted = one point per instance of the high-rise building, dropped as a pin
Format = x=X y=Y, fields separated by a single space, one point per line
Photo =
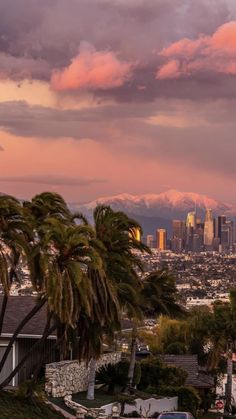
x=161 y=239
x=176 y=245
x=227 y=235
x=178 y=235
x=150 y=240
x=178 y=229
x=221 y=220
x=196 y=244
x=190 y=229
x=191 y=220
x=208 y=229
x=200 y=232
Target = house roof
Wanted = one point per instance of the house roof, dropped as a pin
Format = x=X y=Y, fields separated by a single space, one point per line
x=17 y=308
x=189 y=363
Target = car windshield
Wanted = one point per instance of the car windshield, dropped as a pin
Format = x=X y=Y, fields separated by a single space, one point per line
x=173 y=416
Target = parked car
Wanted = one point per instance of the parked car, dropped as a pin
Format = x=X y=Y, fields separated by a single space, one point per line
x=176 y=415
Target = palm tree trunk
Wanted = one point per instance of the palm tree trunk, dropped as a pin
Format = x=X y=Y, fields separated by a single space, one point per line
x=35 y=309
x=39 y=364
x=132 y=357
x=3 y=311
x=91 y=379
x=228 y=395
x=5 y=298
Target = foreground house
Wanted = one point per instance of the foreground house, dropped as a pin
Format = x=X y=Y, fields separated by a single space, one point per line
x=17 y=309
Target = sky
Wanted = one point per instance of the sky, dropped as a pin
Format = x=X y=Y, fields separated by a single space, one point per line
x=100 y=97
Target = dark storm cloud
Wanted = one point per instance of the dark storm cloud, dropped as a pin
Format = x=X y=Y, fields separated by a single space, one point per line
x=51 y=180
x=37 y=37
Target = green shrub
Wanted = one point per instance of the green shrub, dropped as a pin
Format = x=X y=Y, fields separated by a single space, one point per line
x=133 y=414
x=176 y=348
x=124 y=399
x=154 y=373
x=116 y=375
x=150 y=372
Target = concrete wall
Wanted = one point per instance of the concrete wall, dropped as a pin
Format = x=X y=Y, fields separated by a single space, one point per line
x=69 y=377
x=147 y=407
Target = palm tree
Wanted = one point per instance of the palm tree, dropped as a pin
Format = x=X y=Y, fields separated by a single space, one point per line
x=14 y=232
x=223 y=337
x=115 y=231
x=158 y=296
x=60 y=256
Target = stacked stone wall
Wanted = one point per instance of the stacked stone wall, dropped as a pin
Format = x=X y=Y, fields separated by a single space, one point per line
x=69 y=377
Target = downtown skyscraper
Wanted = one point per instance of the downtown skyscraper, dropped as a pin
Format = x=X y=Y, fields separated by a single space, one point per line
x=208 y=229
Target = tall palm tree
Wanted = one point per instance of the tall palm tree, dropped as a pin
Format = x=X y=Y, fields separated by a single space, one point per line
x=103 y=321
x=120 y=253
x=158 y=296
x=223 y=337
x=14 y=233
x=115 y=231
x=59 y=256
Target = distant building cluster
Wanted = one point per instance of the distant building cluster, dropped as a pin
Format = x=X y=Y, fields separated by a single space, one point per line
x=195 y=235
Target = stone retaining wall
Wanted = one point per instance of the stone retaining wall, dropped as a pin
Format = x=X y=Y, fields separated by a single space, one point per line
x=69 y=377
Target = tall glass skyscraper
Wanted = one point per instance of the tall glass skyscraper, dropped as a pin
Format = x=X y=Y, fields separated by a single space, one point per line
x=191 y=220
x=208 y=228
x=161 y=239
x=190 y=229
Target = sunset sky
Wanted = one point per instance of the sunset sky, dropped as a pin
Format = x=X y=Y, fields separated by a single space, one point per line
x=100 y=97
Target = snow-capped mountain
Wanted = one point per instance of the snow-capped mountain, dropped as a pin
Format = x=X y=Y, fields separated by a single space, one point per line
x=154 y=211
x=168 y=205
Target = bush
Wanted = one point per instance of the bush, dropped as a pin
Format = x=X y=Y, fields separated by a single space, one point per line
x=150 y=372
x=176 y=348
x=154 y=373
x=124 y=399
x=133 y=414
x=116 y=375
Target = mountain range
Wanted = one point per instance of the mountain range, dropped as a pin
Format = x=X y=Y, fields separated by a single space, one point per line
x=157 y=210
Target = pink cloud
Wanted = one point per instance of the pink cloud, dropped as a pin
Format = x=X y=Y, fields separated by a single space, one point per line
x=170 y=70
x=216 y=53
x=92 y=69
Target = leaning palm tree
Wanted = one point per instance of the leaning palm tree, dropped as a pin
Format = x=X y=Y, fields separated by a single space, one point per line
x=103 y=321
x=120 y=253
x=122 y=264
x=59 y=257
x=15 y=232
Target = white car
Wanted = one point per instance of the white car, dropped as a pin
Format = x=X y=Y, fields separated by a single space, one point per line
x=176 y=415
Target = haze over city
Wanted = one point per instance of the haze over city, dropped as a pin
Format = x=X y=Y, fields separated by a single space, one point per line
x=146 y=106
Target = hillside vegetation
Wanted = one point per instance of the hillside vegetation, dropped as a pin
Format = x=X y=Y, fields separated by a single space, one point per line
x=15 y=407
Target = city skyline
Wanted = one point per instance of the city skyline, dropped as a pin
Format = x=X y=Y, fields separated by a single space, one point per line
x=143 y=107
x=214 y=233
